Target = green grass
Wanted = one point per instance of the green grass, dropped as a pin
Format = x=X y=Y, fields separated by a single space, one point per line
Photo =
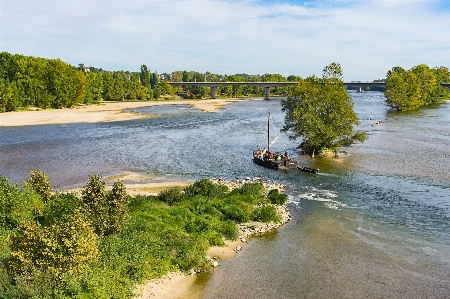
x=164 y=233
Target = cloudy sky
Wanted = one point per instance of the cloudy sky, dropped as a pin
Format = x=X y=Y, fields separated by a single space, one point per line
x=367 y=37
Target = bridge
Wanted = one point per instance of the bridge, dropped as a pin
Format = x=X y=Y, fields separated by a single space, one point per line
x=267 y=85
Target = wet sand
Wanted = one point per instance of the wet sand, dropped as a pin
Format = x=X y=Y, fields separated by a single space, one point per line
x=105 y=112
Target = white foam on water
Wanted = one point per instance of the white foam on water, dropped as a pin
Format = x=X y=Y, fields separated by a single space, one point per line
x=314 y=194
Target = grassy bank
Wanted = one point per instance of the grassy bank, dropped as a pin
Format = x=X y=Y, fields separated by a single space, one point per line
x=102 y=243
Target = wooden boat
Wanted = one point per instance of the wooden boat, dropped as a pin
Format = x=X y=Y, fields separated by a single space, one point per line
x=307 y=169
x=266 y=158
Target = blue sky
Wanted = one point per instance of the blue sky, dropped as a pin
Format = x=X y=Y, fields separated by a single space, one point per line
x=367 y=37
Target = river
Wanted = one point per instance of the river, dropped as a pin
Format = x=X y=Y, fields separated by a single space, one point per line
x=373 y=224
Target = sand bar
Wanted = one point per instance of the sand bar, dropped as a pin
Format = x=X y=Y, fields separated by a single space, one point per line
x=106 y=112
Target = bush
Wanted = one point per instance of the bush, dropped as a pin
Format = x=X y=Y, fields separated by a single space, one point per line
x=117 y=201
x=40 y=183
x=201 y=205
x=17 y=205
x=249 y=192
x=265 y=214
x=171 y=195
x=233 y=209
x=60 y=208
x=276 y=198
x=229 y=230
x=106 y=211
x=205 y=188
x=54 y=250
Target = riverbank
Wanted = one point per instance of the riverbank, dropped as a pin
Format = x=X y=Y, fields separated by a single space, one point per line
x=105 y=112
x=180 y=286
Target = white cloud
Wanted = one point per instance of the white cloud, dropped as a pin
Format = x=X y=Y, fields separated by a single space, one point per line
x=366 y=37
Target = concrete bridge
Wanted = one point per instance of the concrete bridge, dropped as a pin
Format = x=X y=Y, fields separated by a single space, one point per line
x=267 y=85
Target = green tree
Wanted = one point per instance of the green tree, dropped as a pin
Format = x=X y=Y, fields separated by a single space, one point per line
x=40 y=183
x=321 y=112
x=17 y=205
x=403 y=89
x=56 y=250
x=106 y=211
x=144 y=76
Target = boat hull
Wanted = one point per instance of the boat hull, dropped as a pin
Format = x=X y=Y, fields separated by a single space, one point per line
x=307 y=169
x=275 y=164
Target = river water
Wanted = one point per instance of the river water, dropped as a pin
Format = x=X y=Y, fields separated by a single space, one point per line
x=375 y=223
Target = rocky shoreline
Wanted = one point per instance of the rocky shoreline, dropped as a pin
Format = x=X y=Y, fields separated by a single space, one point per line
x=173 y=285
x=245 y=230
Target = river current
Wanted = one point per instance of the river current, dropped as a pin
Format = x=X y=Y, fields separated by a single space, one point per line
x=375 y=223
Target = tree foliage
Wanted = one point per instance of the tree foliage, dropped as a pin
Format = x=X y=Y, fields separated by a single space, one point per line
x=58 y=249
x=40 y=183
x=105 y=210
x=320 y=111
x=17 y=205
x=51 y=83
x=411 y=89
x=51 y=250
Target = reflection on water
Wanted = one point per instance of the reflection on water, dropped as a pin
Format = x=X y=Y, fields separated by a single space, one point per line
x=373 y=223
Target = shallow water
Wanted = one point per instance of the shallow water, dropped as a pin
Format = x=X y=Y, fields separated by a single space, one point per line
x=374 y=223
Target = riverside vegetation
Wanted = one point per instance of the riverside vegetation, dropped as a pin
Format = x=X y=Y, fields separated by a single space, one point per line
x=100 y=244
x=419 y=86
x=27 y=81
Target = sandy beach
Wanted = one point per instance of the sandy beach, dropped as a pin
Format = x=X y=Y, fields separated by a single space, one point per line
x=105 y=112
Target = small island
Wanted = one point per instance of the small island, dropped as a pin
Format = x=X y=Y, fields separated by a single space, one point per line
x=101 y=241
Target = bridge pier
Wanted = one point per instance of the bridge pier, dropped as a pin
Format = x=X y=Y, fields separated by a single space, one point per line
x=359 y=89
x=267 y=92
x=212 y=91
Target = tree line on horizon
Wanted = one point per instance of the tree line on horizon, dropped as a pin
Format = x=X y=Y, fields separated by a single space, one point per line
x=28 y=81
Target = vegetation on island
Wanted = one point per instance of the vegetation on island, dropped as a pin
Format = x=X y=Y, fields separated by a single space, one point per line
x=101 y=243
x=320 y=111
x=419 y=86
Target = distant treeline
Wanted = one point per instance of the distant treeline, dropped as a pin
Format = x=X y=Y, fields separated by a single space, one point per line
x=27 y=81
x=230 y=91
x=51 y=83
x=419 y=86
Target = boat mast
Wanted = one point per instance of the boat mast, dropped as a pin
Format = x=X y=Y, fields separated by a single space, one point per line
x=268 y=132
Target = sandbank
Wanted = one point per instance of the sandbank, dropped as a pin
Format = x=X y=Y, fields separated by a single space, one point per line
x=105 y=112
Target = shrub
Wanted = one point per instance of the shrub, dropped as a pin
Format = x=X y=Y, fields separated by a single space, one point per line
x=117 y=201
x=254 y=189
x=249 y=192
x=201 y=205
x=206 y=188
x=60 y=208
x=276 y=198
x=54 y=250
x=106 y=211
x=171 y=195
x=229 y=230
x=17 y=205
x=265 y=214
x=233 y=209
x=40 y=183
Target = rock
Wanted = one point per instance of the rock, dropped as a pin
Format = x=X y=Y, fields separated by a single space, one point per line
x=215 y=264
